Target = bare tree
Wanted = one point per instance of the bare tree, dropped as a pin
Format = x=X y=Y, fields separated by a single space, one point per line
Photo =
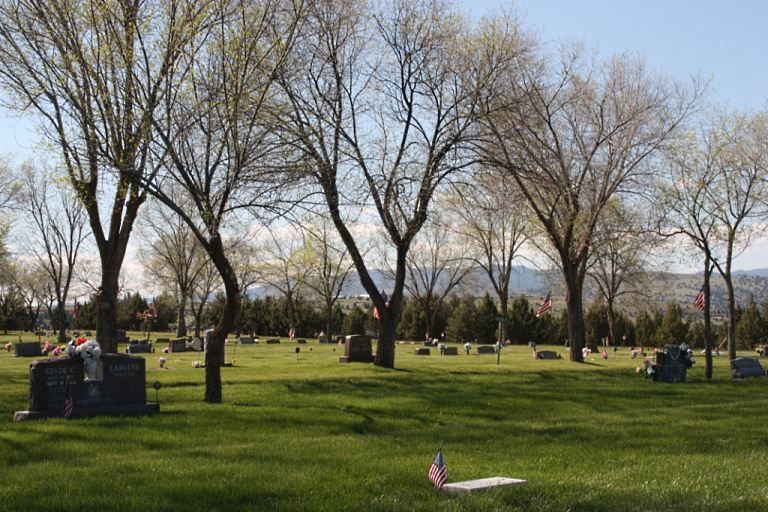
x=328 y=265
x=383 y=99
x=170 y=255
x=436 y=266
x=93 y=73
x=574 y=135
x=32 y=290
x=494 y=218
x=284 y=265
x=56 y=235
x=622 y=248
x=218 y=150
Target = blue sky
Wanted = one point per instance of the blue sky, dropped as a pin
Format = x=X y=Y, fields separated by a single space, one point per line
x=726 y=41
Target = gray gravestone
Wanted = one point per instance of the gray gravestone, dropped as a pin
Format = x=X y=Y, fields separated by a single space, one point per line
x=122 y=336
x=450 y=351
x=139 y=348
x=247 y=340
x=746 y=367
x=273 y=341
x=486 y=349
x=547 y=354
x=177 y=345
x=357 y=349
x=196 y=344
x=28 y=349
x=323 y=338
x=422 y=351
x=301 y=341
x=672 y=364
x=121 y=391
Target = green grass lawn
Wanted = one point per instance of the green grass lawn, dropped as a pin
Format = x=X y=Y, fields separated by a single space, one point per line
x=313 y=434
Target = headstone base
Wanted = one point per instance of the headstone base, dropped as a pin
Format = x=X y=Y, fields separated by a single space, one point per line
x=470 y=486
x=356 y=359
x=106 y=410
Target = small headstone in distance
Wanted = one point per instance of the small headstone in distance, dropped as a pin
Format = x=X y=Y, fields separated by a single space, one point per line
x=196 y=344
x=451 y=351
x=547 y=354
x=273 y=341
x=28 y=349
x=323 y=338
x=138 y=348
x=246 y=340
x=486 y=349
x=301 y=341
x=746 y=367
x=422 y=351
x=177 y=345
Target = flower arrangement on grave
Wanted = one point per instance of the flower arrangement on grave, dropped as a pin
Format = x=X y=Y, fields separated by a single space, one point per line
x=162 y=362
x=166 y=350
x=47 y=347
x=89 y=351
x=9 y=346
x=56 y=351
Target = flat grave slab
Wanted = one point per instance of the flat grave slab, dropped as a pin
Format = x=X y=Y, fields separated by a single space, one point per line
x=273 y=341
x=450 y=351
x=422 y=351
x=746 y=367
x=547 y=354
x=139 y=348
x=470 y=486
x=247 y=340
x=486 y=349
x=301 y=341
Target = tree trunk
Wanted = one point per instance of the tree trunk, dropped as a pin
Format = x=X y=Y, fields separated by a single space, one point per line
x=214 y=355
x=707 y=324
x=385 y=352
x=728 y=278
x=611 y=322
x=574 y=306
x=181 y=322
x=62 y=323
x=106 y=307
x=504 y=308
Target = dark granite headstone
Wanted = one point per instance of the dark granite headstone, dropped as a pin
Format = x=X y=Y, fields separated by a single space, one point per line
x=122 y=336
x=28 y=349
x=247 y=340
x=357 y=349
x=450 y=351
x=547 y=354
x=486 y=349
x=121 y=390
x=323 y=338
x=177 y=345
x=139 y=348
x=273 y=341
x=422 y=351
x=672 y=364
x=746 y=367
x=301 y=341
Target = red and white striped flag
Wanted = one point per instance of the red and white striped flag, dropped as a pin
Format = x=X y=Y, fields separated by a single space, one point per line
x=437 y=472
x=545 y=306
x=700 y=302
x=69 y=402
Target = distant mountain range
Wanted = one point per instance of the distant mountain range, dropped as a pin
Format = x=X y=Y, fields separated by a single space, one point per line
x=659 y=288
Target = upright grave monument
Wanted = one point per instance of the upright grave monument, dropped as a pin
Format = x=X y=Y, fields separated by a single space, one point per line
x=120 y=391
x=357 y=349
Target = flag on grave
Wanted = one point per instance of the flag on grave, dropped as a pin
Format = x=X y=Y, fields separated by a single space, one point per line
x=69 y=401
x=386 y=303
x=437 y=472
x=545 y=306
x=700 y=302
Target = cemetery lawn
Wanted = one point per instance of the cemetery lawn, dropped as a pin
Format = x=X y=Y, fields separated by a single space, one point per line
x=315 y=435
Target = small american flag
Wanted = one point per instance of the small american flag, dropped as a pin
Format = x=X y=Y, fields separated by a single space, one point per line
x=69 y=401
x=437 y=473
x=545 y=306
x=700 y=302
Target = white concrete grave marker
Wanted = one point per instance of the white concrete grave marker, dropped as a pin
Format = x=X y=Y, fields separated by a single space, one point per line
x=470 y=486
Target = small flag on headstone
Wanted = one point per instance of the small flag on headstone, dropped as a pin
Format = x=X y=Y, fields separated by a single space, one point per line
x=545 y=306
x=69 y=401
x=700 y=302
x=437 y=472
